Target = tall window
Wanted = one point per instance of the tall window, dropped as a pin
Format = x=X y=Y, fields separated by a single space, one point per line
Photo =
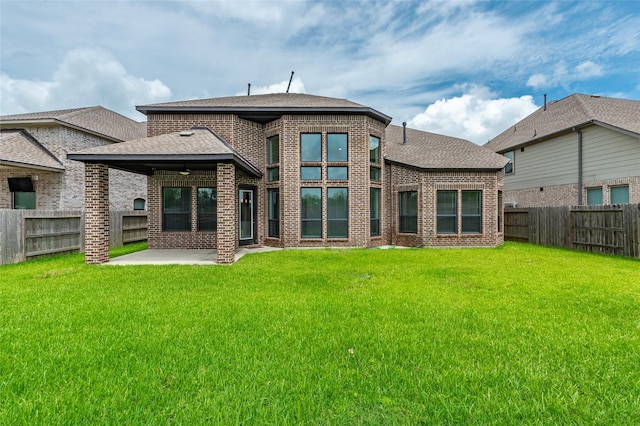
x=500 y=210
x=446 y=211
x=273 y=196
x=374 y=211
x=311 y=212
x=311 y=147
x=408 y=209
x=374 y=150
x=471 y=212
x=176 y=209
x=337 y=213
x=594 y=196
x=374 y=159
x=207 y=209
x=273 y=149
x=337 y=147
x=619 y=194
x=508 y=169
x=273 y=157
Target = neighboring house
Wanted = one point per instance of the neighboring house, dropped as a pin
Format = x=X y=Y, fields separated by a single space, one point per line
x=579 y=150
x=296 y=170
x=35 y=172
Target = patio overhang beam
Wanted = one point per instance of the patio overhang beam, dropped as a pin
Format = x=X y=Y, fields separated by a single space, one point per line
x=146 y=164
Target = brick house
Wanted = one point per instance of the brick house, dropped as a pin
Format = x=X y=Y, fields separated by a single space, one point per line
x=580 y=150
x=35 y=172
x=296 y=170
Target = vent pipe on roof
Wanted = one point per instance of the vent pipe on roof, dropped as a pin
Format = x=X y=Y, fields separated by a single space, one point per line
x=404 y=133
x=545 y=102
x=290 y=79
x=248 y=89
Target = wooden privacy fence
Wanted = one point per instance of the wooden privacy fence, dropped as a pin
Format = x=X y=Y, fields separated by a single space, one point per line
x=26 y=234
x=613 y=229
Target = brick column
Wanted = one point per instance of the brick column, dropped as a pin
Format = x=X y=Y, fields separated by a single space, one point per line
x=227 y=216
x=96 y=220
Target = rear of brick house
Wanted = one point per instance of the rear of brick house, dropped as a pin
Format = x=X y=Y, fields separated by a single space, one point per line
x=296 y=170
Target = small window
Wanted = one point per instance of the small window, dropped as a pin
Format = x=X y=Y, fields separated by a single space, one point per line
x=24 y=200
x=374 y=173
x=594 y=196
x=508 y=169
x=471 y=212
x=311 y=147
x=337 y=173
x=273 y=149
x=176 y=209
x=138 y=204
x=310 y=173
x=207 y=209
x=337 y=147
x=337 y=213
x=619 y=194
x=273 y=174
x=273 y=196
x=311 y=212
x=447 y=211
x=408 y=209
x=374 y=211
x=374 y=150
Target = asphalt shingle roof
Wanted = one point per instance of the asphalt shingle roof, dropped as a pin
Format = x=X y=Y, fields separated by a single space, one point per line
x=426 y=150
x=95 y=119
x=191 y=147
x=264 y=108
x=563 y=115
x=19 y=148
x=282 y=100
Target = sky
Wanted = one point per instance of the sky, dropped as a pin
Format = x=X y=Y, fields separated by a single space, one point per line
x=468 y=69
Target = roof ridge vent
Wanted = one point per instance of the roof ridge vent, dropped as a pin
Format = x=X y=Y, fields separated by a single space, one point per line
x=187 y=133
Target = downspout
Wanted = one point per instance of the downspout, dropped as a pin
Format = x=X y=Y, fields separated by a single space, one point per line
x=579 y=165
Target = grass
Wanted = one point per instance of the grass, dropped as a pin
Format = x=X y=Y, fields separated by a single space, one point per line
x=515 y=335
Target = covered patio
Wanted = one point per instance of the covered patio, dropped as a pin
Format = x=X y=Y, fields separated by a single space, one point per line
x=192 y=159
x=181 y=256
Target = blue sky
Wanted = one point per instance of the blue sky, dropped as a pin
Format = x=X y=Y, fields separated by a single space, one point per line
x=463 y=68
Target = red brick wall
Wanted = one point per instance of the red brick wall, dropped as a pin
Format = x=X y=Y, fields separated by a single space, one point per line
x=96 y=213
x=427 y=184
x=249 y=139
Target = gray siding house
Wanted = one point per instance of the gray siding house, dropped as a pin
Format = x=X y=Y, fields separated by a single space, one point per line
x=35 y=172
x=580 y=150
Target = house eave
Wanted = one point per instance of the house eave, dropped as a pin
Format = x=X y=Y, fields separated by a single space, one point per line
x=442 y=169
x=265 y=114
x=31 y=166
x=54 y=122
x=146 y=164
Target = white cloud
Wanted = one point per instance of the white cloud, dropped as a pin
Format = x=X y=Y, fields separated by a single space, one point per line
x=84 y=77
x=477 y=115
x=587 y=70
x=297 y=86
x=561 y=76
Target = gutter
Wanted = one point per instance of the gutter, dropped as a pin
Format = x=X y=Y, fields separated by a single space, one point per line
x=580 y=183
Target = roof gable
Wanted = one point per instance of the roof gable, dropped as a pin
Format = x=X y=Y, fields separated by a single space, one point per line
x=431 y=151
x=571 y=112
x=97 y=120
x=19 y=149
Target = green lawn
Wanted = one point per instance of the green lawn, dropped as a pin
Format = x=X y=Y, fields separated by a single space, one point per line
x=515 y=335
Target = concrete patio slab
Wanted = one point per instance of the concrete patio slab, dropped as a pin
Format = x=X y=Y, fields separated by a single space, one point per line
x=179 y=256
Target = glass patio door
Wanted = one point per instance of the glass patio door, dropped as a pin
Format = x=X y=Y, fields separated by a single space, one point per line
x=245 y=198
